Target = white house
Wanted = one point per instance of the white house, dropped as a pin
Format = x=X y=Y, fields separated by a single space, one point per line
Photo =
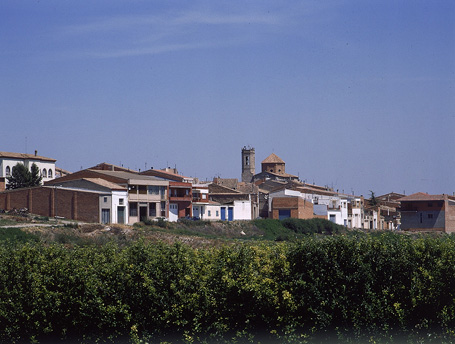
x=355 y=213
x=8 y=160
x=200 y=200
x=212 y=212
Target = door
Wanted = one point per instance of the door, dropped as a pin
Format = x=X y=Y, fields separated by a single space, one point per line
x=173 y=212
x=120 y=214
x=142 y=213
x=105 y=215
x=223 y=213
x=230 y=214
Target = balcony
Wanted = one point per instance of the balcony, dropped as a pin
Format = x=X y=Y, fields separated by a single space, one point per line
x=187 y=198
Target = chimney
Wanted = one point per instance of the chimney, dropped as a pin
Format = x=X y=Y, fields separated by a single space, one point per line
x=36 y=152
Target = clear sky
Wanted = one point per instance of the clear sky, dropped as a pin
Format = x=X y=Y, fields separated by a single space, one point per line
x=358 y=95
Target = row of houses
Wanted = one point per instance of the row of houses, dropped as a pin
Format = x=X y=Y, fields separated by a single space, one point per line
x=112 y=194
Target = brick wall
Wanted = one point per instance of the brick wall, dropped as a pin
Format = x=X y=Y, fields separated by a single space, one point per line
x=450 y=215
x=46 y=201
x=299 y=208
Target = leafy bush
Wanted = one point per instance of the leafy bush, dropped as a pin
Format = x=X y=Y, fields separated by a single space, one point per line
x=273 y=230
x=326 y=289
x=311 y=226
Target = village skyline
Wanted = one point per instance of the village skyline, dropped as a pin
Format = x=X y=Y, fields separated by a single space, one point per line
x=354 y=95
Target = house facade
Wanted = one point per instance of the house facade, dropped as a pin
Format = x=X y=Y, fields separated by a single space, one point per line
x=200 y=200
x=147 y=195
x=234 y=204
x=424 y=212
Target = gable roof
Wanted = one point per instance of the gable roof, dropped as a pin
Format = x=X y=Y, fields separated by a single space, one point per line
x=91 y=184
x=220 y=189
x=231 y=183
x=167 y=175
x=273 y=159
x=105 y=183
x=421 y=196
x=118 y=177
x=104 y=166
x=24 y=156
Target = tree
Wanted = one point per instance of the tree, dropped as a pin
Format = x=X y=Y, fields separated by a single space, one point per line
x=35 y=177
x=21 y=177
x=373 y=200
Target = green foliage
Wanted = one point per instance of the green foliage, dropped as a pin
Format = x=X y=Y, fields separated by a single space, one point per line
x=311 y=226
x=274 y=230
x=16 y=235
x=387 y=287
x=161 y=222
x=21 y=177
x=373 y=200
x=41 y=218
x=35 y=176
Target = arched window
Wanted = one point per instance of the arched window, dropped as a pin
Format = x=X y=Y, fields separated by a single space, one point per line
x=44 y=173
x=8 y=171
x=50 y=173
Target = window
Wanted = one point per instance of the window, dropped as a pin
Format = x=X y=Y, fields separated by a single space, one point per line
x=217 y=213
x=209 y=213
x=120 y=201
x=50 y=173
x=247 y=160
x=133 y=209
x=430 y=216
x=163 y=209
x=44 y=173
x=153 y=190
x=105 y=199
x=8 y=171
x=152 y=209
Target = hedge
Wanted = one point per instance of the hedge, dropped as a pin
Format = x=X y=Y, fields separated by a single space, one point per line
x=363 y=288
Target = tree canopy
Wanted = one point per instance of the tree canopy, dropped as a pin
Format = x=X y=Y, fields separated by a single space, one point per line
x=373 y=200
x=21 y=177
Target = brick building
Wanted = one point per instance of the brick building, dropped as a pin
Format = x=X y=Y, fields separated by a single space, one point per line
x=99 y=204
x=424 y=212
x=295 y=207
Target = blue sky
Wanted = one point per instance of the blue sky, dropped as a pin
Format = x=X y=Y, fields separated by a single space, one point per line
x=357 y=95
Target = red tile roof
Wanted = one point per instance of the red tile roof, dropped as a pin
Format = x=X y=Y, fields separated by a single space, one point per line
x=24 y=156
x=273 y=159
x=421 y=196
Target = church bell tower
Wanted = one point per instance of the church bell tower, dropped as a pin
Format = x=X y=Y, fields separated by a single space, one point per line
x=248 y=164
